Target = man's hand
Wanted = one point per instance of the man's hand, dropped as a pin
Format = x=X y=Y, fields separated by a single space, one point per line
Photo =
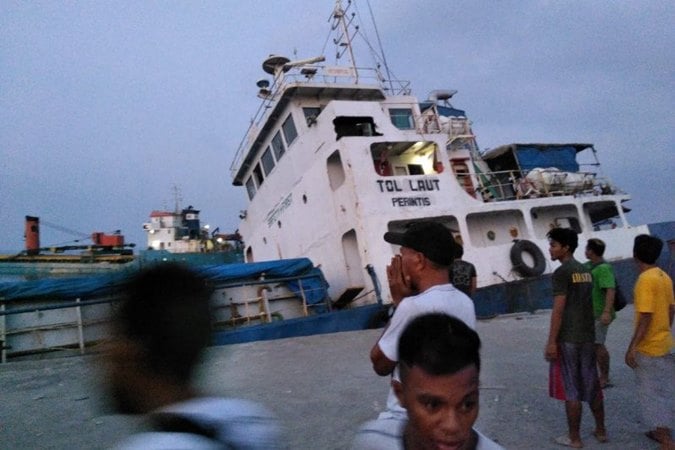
x=631 y=361
x=641 y=327
x=399 y=284
x=605 y=318
x=551 y=352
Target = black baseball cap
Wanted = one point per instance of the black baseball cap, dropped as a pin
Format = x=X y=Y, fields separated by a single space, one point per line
x=432 y=239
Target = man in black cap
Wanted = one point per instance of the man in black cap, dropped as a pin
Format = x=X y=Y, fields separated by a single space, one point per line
x=419 y=284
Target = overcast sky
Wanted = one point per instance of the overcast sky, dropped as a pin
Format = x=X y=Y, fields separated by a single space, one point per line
x=105 y=106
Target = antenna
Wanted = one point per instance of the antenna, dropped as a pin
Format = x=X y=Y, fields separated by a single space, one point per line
x=263 y=91
x=379 y=43
x=274 y=65
x=339 y=14
x=178 y=199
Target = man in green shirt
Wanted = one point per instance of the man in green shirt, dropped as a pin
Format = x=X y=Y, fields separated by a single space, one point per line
x=604 y=289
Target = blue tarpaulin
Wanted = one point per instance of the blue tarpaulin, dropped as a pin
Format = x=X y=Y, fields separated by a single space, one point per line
x=314 y=284
x=62 y=288
x=525 y=157
x=560 y=157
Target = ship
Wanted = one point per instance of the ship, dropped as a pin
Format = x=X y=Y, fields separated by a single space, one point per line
x=172 y=236
x=179 y=236
x=339 y=154
x=106 y=252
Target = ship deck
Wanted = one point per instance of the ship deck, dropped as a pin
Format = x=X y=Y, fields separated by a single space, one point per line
x=322 y=387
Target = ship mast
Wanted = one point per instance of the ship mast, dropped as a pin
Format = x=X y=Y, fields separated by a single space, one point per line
x=344 y=39
x=177 y=198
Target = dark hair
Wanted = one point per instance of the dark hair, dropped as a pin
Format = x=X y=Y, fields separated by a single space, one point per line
x=597 y=246
x=439 y=344
x=647 y=248
x=166 y=310
x=565 y=237
x=459 y=250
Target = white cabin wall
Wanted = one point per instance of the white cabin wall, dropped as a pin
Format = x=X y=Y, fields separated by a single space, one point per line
x=303 y=195
x=373 y=203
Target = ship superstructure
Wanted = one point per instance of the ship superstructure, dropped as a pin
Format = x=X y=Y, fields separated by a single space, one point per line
x=338 y=155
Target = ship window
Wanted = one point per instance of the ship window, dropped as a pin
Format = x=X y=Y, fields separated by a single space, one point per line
x=405 y=158
x=546 y=217
x=415 y=169
x=336 y=173
x=568 y=222
x=257 y=174
x=603 y=215
x=250 y=188
x=311 y=115
x=290 y=133
x=354 y=126
x=402 y=118
x=267 y=161
x=278 y=146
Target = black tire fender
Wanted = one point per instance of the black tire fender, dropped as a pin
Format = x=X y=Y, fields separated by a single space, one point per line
x=519 y=264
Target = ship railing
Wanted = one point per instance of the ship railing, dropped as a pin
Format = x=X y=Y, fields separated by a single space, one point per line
x=307 y=75
x=455 y=127
x=339 y=75
x=515 y=185
x=78 y=322
x=258 y=308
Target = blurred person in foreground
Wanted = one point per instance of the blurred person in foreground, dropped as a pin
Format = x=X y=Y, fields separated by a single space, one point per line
x=649 y=353
x=439 y=363
x=604 y=290
x=161 y=330
x=570 y=348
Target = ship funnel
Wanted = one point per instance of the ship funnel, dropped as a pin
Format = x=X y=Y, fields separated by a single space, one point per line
x=32 y=235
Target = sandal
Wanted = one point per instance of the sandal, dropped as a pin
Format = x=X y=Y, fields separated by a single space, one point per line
x=567 y=442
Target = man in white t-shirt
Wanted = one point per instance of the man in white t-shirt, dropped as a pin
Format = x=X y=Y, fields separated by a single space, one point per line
x=419 y=284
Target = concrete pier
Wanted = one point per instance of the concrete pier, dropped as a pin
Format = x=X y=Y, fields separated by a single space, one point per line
x=323 y=387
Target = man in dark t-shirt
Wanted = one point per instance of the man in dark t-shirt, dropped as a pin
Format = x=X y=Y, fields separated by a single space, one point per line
x=570 y=346
x=463 y=273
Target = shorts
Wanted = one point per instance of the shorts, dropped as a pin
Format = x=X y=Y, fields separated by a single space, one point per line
x=573 y=376
x=655 y=393
x=600 y=332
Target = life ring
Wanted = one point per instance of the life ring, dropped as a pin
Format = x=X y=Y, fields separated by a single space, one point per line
x=519 y=264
